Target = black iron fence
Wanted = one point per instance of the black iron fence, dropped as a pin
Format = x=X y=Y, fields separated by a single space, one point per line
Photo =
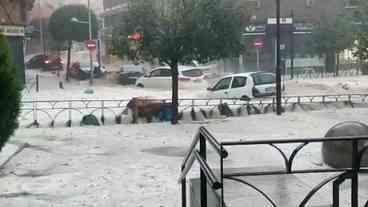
x=313 y=73
x=208 y=177
x=51 y=111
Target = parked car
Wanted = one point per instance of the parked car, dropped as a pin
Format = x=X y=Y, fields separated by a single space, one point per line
x=44 y=62
x=129 y=73
x=160 y=77
x=244 y=86
x=81 y=71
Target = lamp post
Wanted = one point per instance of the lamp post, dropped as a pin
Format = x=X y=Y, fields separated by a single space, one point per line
x=90 y=38
x=278 y=61
x=89 y=22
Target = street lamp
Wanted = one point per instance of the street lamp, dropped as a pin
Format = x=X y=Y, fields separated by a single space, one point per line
x=89 y=22
x=278 y=61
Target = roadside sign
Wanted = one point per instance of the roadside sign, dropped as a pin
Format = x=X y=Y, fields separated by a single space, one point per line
x=282 y=46
x=258 y=43
x=91 y=45
x=135 y=36
x=10 y=30
x=254 y=30
x=282 y=21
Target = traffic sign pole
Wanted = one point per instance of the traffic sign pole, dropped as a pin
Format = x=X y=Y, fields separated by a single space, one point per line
x=278 y=60
x=258 y=67
x=258 y=43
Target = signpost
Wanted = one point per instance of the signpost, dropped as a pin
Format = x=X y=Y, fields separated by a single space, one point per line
x=258 y=44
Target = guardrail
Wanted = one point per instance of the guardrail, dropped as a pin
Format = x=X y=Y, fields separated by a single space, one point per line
x=206 y=175
x=53 y=110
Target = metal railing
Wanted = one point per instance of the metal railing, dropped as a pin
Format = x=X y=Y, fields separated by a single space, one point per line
x=343 y=173
x=206 y=173
x=67 y=109
x=304 y=74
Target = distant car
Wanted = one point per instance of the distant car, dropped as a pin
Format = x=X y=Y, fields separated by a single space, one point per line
x=160 y=77
x=129 y=78
x=244 y=86
x=81 y=71
x=129 y=73
x=44 y=62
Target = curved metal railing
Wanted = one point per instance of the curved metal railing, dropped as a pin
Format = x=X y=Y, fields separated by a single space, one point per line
x=337 y=179
x=206 y=173
x=67 y=110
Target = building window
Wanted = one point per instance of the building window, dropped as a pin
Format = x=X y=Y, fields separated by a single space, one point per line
x=258 y=4
x=308 y=3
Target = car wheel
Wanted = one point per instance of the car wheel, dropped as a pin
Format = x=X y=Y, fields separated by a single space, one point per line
x=140 y=85
x=245 y=98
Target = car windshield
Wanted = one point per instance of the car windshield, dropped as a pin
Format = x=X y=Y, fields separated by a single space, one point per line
x=192 y=73
x=263 y=78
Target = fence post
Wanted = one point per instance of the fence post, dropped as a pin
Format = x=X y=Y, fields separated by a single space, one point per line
x=222 y=204
x=103 y=112
x=203 y=179
x=37 y=83
x=69 y=123
x=336 y=193
x=35 y=115
x=354 y=176
x=183 y=190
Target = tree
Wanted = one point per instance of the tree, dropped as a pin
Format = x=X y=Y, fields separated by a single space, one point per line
x=329 y=39
x=180 y=31
x=9 y=94
x=361 y=20
x=62 y=28
x=49 y=42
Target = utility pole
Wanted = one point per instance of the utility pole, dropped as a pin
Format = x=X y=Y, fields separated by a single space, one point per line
x=90 y=38
x=292 y=49
x=278 y=61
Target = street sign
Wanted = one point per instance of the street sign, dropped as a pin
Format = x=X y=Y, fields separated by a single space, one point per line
x=282 y=46
x=90 y=45
x=258 y=43
x=10 y=30
x=282 y=21
x=254 y=30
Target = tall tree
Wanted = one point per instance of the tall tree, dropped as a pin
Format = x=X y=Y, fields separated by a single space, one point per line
x=361 y=21
x=180 y=31
x=62 y=28
x=330 y=38
x=9 y=94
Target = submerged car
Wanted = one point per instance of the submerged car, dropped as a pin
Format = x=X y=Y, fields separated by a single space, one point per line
x=82 y=71
x=244 y=86
x=160 y=77
x=44 y=62
x=130 y=73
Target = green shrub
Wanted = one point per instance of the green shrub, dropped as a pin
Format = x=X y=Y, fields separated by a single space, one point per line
x=9 y=94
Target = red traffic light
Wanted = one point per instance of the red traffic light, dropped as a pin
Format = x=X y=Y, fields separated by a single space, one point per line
x=135 y=36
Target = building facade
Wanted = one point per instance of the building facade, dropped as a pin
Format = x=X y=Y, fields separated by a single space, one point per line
x=298 y=18
x=13 y=18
